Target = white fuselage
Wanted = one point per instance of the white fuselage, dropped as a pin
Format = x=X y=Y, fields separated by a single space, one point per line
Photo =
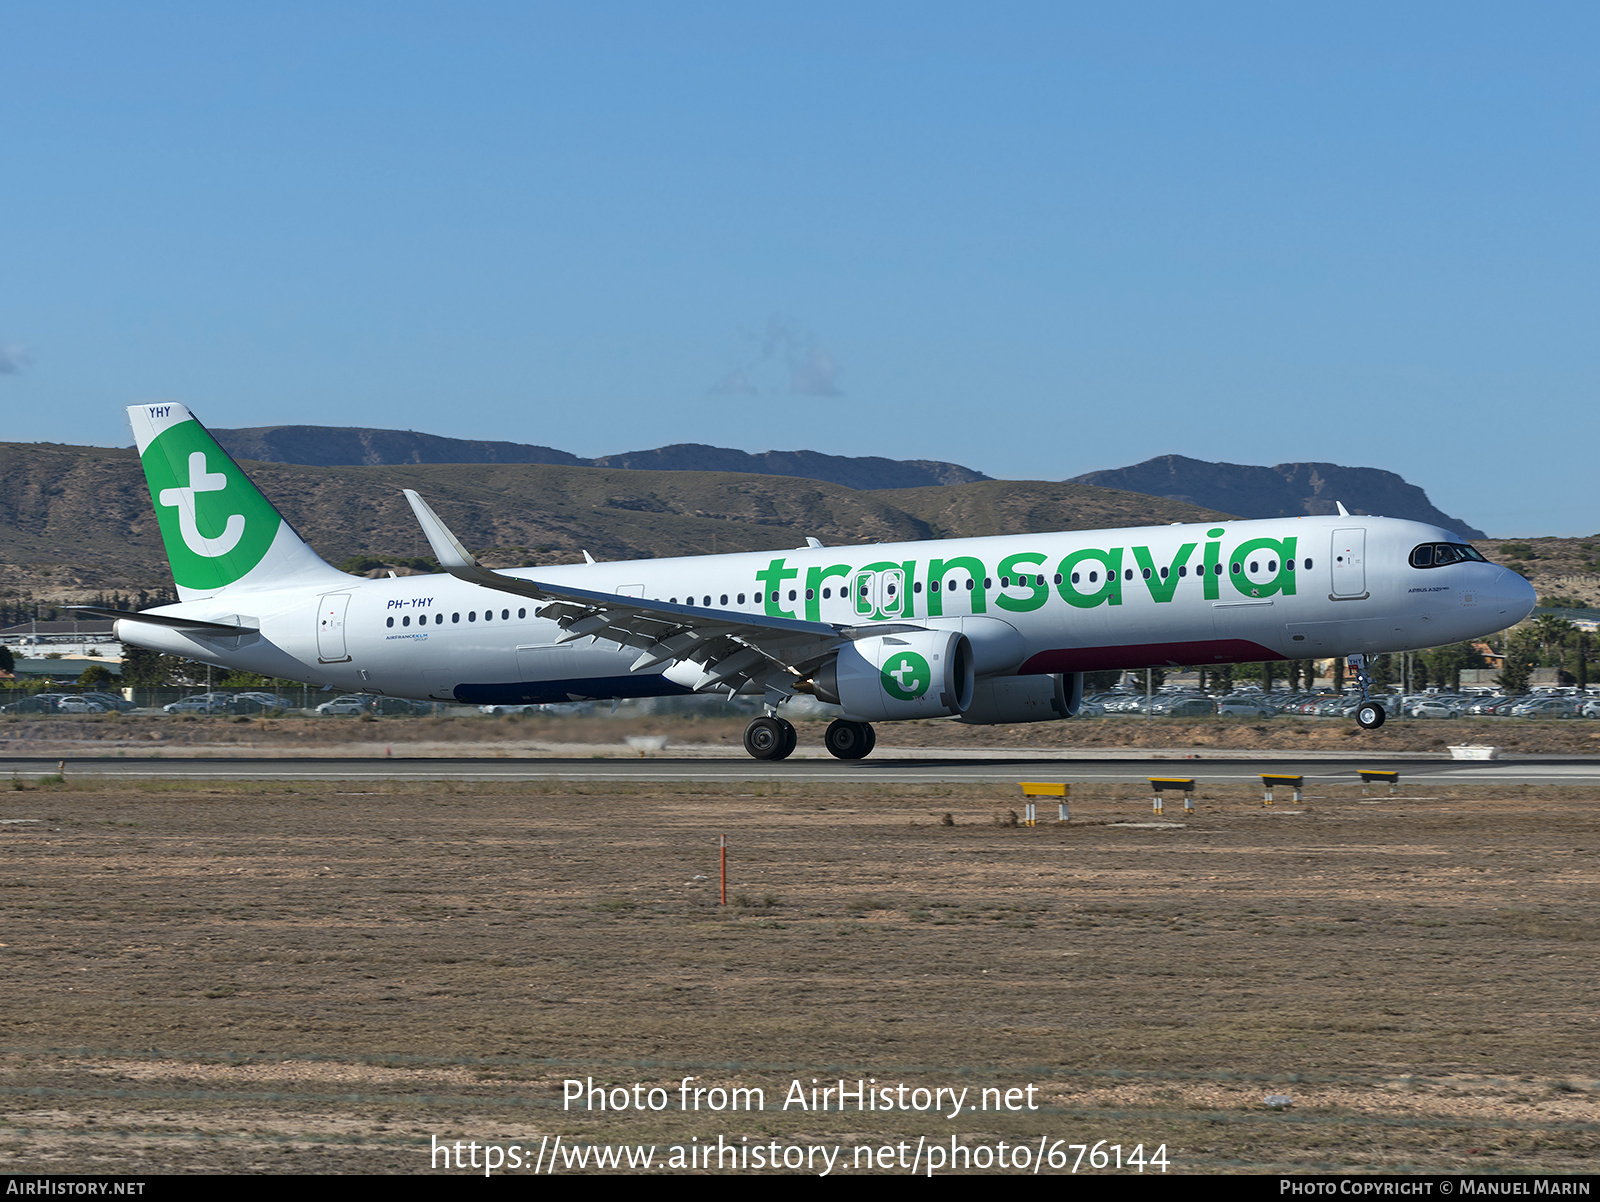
x=1041 y=603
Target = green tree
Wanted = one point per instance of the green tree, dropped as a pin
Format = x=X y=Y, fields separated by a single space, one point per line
x=1445 y=664
x=1557 y=638
x=243 y=680
x=1522 y=654
x=96 y=674
x=8 y=662
x=147 y=669
x=1382 y=671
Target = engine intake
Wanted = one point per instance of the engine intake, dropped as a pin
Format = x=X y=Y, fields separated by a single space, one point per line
x=913 y=674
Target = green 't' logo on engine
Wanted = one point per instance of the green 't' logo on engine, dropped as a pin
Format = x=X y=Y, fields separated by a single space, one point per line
x=906 y=676
x=215 y=525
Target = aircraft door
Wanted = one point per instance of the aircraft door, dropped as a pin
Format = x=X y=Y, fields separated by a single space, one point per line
x=880 y=594
x=1348 y=559
x=331 y=611
x=863 y=590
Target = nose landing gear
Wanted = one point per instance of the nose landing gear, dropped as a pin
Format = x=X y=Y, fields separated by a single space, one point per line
x=1369 y=714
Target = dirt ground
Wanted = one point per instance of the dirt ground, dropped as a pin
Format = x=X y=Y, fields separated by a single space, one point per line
x=206 y=977
x=517 y=735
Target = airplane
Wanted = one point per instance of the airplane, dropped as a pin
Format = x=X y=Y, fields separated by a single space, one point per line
x=981 y=630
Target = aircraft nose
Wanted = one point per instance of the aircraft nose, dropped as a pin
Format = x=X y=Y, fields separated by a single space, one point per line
x=1514 y=597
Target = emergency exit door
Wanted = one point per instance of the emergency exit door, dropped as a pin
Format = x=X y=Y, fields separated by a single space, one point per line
x=331 y=611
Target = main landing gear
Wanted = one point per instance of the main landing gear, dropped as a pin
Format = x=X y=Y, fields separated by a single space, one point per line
x=772 y=738
x=849 y=740
x=1369 y=714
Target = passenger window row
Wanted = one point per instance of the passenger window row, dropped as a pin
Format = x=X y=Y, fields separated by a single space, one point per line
x=472 y=616
x=956 y=584
x=1425 y=556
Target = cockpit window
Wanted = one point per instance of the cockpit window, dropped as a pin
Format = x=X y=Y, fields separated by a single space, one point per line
x=1437 y=555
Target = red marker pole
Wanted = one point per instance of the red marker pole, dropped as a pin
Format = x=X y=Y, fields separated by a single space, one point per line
x=723 y=841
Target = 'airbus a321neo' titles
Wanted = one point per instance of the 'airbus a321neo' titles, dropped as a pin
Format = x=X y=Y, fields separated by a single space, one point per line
x=982 y=630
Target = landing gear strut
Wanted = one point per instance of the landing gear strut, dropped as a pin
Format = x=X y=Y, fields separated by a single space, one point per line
x=1369 y=714
x=850 y=740
x=770 y=738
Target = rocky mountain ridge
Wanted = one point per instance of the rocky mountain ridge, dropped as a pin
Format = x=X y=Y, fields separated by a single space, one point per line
x=335 y=446
x=1284 y=490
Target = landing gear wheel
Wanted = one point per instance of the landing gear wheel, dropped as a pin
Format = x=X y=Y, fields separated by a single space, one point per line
x=849 y=740
x=769 y=738
x=1370 y=715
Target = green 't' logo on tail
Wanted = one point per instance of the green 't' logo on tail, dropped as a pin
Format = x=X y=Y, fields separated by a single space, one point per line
x=215 y=524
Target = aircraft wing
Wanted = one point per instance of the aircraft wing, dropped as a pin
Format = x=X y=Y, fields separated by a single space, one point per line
x=731 y=650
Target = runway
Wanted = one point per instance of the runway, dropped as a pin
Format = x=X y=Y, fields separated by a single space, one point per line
x=993 y=767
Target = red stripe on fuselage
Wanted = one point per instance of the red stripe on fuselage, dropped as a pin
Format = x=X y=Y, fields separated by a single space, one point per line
x=1148 y=655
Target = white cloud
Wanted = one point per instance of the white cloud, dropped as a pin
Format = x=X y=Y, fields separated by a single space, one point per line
x=13 y=358
x=790 y=359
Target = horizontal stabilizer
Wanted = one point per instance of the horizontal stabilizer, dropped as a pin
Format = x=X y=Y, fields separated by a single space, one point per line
x=168 y=620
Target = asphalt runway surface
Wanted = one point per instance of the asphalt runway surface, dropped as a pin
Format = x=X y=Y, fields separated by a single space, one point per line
x=1010 y=768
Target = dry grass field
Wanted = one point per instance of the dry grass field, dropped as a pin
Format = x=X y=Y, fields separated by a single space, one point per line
x=205 y=977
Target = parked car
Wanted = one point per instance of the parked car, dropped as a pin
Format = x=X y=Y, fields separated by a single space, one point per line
x=1244 y=707
x=258 y=703
x=111 y=702
x=1184 y=707
x=39 y=703
x=200 y=703
x=79 y=705
x=1437 y=707
x=394 y=707
x=349 y=706
x=1548 y=707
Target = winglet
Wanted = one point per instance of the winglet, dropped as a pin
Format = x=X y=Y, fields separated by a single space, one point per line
x=1343 y=512
x=447 y=548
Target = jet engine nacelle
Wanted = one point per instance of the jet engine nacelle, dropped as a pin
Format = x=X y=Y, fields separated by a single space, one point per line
x=998 y=699
x=916 y=674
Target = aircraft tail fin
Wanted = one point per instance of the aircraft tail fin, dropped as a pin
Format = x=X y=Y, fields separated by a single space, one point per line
x=220 y=532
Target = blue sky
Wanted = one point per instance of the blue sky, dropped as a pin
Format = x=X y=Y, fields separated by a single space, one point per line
x=1036 y=239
